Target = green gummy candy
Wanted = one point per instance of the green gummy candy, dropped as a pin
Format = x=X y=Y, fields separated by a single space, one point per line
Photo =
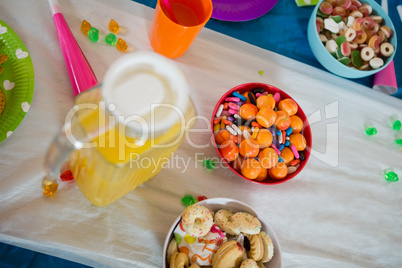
x=337 y=19
x=333 y=54
x=391 y=176
x=396 y=125
x=398 y=141
x=93 y=34
x=301 y=3
x=340 y=39
x=178 y=238
x=189 y=200
x=344 y=60
x=209 y=164
x=371 y=131
x=356 y=59
x=111 y=39
x=338 y=53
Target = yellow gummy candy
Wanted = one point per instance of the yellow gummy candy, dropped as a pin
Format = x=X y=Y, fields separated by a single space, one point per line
x=114 y=26
x=50 y=189
x=121 y=45
x=85 y=26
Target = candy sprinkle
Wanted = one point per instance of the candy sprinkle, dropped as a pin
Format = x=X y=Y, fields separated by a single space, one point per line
x=261 y=72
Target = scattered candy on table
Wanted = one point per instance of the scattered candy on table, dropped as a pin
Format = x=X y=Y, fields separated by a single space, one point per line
x=67 y=176
x=93 y=34
x=261 y=72
x=50 y=189
x=111 y=39
x=188 y=200
x=261 y=135
x=396 y=124
x=354 y=34
x=370 y=129
x=390 y=175
x=201 y=197
x=114 y=26
x=121 y=45
x=85 y=26
x=209 y=163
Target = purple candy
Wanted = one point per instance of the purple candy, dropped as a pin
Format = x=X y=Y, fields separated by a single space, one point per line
x=231 y=119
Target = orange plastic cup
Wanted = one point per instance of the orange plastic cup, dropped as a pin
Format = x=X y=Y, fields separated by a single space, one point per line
x=172 y=39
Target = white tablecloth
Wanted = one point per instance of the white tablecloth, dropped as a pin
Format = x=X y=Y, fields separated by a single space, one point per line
x=338 y=212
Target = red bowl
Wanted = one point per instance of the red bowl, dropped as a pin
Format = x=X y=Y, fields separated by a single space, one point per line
x=306 y=129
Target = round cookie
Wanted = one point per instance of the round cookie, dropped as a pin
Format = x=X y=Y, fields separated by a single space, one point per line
x=223 y=218
x=229 y=255
x=249 y=263
x=256 y=251
x=268 y=247
x=197 y=220
x=248 y=223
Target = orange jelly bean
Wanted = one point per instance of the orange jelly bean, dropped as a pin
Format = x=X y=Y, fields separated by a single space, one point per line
x=296 y=124
x=249 y=148
x=268 y=158
x=266 y=117
x=264 y=138
x=229 y=150
x=298 y=140
x=266 y=101
x=248 y=111
x=251 y=168
x=287 y=155
x=263 y=174
x=279 y=171
x=289 y=106
x=283 y=120
x=222 y=136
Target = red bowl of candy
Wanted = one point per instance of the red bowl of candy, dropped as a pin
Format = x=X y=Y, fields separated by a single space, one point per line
x=261 y=133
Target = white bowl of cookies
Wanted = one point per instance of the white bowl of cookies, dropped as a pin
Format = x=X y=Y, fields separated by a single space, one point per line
x=221 y=233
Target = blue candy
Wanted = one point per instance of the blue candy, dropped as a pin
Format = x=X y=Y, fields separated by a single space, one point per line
x=281 y=148
x=288 y=131
x=280 y=159
x=238 y=95
x=278 y=133
x=287 y=143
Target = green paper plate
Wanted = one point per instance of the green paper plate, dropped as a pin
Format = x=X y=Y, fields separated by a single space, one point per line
x=16 y=80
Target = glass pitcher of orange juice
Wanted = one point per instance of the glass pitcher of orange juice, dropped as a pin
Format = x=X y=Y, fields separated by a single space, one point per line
x=120 y=134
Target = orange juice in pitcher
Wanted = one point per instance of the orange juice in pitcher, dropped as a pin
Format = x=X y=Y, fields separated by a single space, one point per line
x=121 y=132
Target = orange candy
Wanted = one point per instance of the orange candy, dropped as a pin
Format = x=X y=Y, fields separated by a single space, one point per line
x=289 y=106
x=222 y=136
x=279 y=171
x=251 y=168
x=245 y=94
x=266 y=101
x=249 y=148
x=236 y=164
x=287 y=155
x=264 y=138
x=268 y=158
x=266 y=117
x=296 y=124
x=248 y=111
x=283 y=120
x=298 y=140
x=229 y=150
x=263 y=174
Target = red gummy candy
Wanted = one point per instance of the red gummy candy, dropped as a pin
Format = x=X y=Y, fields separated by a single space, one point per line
x=67 y=176
x=201 y=197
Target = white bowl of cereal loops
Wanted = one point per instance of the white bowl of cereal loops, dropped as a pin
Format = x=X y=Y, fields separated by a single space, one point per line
x=230 y=234
x=351 y=38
